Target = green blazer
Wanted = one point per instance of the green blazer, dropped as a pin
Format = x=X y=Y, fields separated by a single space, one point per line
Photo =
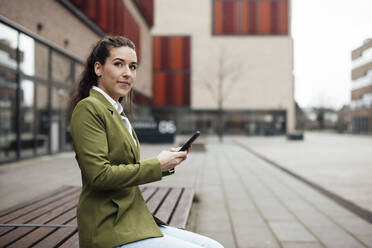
x=111 y=210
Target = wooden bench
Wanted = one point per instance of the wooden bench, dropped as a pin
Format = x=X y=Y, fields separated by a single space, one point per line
x=50 y=220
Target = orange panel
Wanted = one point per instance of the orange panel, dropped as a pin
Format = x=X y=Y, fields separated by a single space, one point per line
x=157 y=53
x=159 y=88
x=218 y=21
x=179 y=89
x=264 y=17
x=284 y=17
x=177 y=53
x=245 y=17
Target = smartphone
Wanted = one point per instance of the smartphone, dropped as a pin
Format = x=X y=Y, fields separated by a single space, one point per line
x=183 y=148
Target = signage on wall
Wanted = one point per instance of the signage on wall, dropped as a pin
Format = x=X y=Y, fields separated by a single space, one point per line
x=155 y=132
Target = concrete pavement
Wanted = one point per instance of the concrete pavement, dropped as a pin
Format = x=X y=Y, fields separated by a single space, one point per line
x=243 y=201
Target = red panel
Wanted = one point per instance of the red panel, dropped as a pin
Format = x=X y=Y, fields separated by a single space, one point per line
x=170 y=89
x=177 y=53
x=102 y=15
x=229 y=17
x=147 y=10
x=179 y=89
x=264 y=7
x=274 y=17
x=131 y=30
x=111 y=16
x=159 y=89
x=89 y=9
x=218 y=17
x=186 y=52
x=245 y=17
x=284 y=17
x=165 y=55
x=157 y=53
x=186 y=89
x=252 y=17
x=78 y=3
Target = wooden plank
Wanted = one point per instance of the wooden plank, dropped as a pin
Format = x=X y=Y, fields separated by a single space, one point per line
x=149 y=193
x=39 y=212
x=72 y=242
x=40 y=233
x=37 y=205
x=25 y=233
x=27 y=217
x=169 y=204
x=39 y=198
x=155 y=202
x=57 y=237
x=181 y=214
x=167 y=207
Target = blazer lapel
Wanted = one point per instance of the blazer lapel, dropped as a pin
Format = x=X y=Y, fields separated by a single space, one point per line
x=128 y=137
x=116 y=117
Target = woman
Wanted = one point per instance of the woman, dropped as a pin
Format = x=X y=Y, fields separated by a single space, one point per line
x=111 y=211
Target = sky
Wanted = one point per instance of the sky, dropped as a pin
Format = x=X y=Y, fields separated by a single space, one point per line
x=324 y=34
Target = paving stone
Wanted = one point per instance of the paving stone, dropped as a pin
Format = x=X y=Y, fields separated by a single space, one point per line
x=355 y=225
x=225 y=238
x=367 y=240
x=301 y=245
x=244 y=219
x=291 y=231
x=255 y=237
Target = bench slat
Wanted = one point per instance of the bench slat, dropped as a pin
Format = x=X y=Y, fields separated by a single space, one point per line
x=72 y=242
x=157 y=199
x=149 y=193
x=182 y=211
x=59 y=208
x=31 y=216
x=165 y=211
x=58 y=236
x=45 y=218
x=36 y=199
x=40 y=232
x=37 y=205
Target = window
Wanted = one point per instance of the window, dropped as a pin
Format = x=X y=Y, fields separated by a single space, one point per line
x=250 y=17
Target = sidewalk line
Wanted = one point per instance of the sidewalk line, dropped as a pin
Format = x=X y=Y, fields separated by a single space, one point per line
x=285 y=205
x=226 y=204
x=256 y=205
x=352 y=207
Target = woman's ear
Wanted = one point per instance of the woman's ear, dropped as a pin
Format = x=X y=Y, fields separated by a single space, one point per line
x=98 y=68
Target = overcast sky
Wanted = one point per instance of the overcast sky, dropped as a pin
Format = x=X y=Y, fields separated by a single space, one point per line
x=324 y=33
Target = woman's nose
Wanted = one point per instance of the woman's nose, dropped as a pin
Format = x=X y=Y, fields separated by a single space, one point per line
x=126 y=71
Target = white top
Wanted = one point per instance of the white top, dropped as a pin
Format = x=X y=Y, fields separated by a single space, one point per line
x=118 y=108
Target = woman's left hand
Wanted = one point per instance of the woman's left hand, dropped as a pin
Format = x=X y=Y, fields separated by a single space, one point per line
x=176 y=149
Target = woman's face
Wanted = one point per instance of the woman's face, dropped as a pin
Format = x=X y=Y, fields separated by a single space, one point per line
x=117 y=75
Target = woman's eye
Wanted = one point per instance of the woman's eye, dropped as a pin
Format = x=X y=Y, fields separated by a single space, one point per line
x=133 y=67
x=117 y=64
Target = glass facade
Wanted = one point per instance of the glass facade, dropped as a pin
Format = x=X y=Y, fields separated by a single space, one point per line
x=35 y=80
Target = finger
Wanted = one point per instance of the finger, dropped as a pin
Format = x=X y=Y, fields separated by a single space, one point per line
x=173 y=149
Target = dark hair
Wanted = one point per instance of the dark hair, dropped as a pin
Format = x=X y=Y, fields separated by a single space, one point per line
x=88 y=78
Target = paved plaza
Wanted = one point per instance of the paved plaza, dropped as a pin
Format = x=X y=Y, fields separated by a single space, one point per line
x=241 y=199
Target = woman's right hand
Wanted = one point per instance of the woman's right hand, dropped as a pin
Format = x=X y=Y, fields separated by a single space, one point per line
x=170 y=159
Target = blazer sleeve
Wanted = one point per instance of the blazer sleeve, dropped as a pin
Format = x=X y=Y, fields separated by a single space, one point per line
x=90 y=143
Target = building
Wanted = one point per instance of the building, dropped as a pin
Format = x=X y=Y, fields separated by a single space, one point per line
x=204 y=64
x=361 y=88
x=43 y=45
x=236 y=57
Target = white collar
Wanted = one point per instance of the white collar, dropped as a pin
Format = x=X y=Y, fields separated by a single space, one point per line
x=115 y=104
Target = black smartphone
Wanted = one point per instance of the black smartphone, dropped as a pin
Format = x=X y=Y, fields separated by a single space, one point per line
x=183 y=148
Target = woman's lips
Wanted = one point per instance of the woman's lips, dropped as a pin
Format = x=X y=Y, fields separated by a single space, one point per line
x=124 y=83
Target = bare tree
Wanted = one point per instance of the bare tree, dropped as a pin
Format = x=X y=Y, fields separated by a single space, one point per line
x=221 y=84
